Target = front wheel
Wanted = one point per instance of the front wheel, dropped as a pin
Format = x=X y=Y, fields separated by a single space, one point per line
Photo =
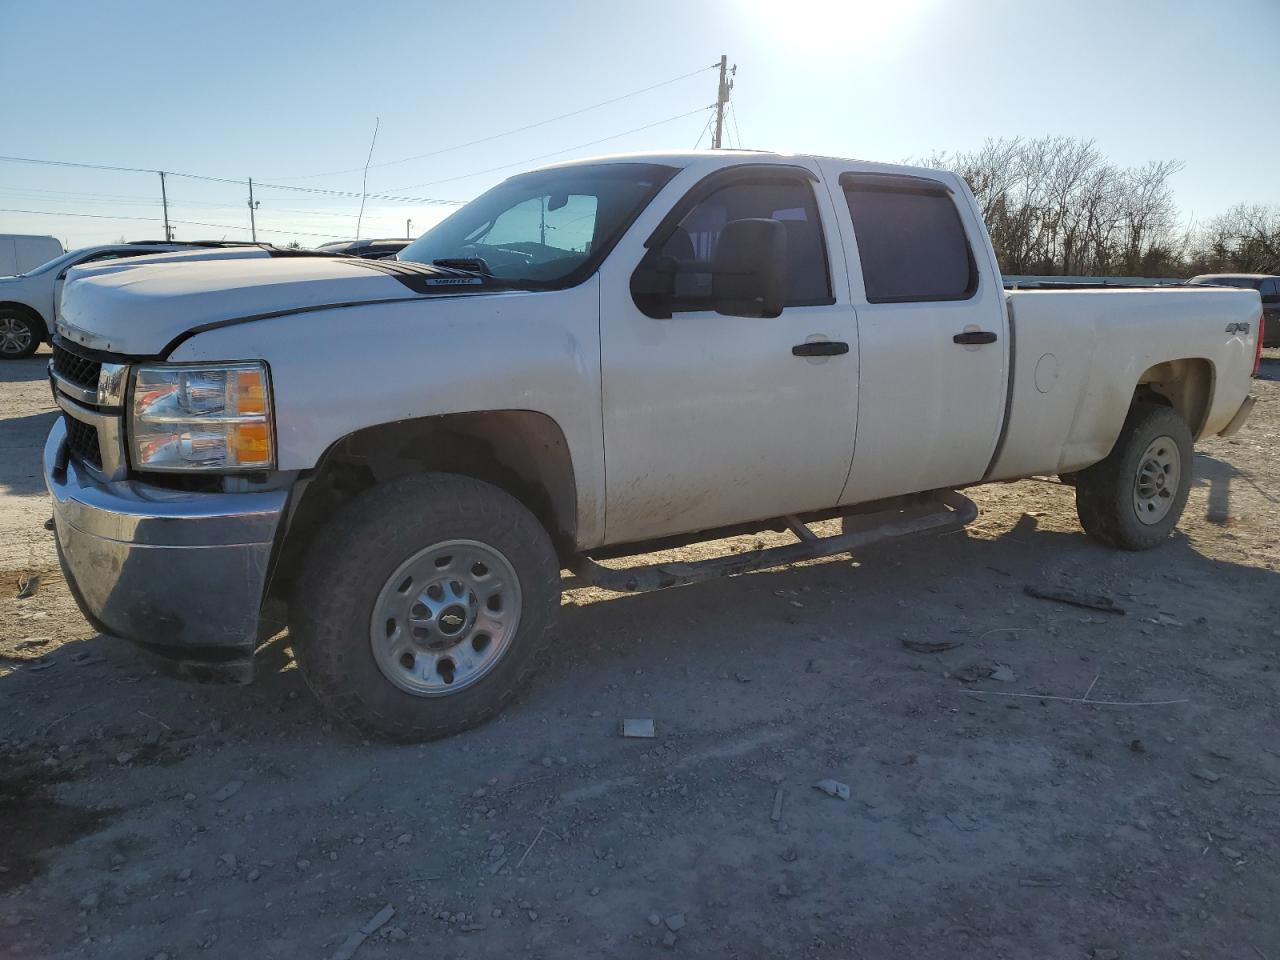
x=1134 y=498
x=424 y=607
x=19 y=335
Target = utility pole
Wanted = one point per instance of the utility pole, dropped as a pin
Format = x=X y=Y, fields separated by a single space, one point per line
x=722 y=99
x=164 y=199
x=253 y=222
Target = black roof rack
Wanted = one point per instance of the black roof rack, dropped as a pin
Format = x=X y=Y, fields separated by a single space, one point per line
x=197 y=243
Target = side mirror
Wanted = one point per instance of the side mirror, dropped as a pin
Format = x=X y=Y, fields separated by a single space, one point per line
x=749 y=269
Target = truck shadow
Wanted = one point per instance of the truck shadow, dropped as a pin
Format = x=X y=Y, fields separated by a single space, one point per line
x=786 y=648
x=23 y=474
x=766 y=623
x=1218 y=475
x=32 y=368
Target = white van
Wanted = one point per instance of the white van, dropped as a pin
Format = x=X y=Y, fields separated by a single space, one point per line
x=19 y=252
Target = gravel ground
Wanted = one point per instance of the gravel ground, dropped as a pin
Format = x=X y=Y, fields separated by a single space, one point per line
x=990 y=813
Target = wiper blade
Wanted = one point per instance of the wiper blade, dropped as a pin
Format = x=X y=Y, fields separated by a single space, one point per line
x=468 y=264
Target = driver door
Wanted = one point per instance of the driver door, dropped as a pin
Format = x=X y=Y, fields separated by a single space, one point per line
x=712 y=420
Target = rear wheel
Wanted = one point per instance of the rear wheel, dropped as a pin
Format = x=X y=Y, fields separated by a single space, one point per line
x=1134 y=498
x=425 y=607
x=19 y=335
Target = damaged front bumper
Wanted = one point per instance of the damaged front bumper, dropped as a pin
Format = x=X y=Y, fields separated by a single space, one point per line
x=180 y=573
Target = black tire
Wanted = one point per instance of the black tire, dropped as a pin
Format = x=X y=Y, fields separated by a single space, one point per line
x=1105 y=492
x=354 y=558
x=16 y=321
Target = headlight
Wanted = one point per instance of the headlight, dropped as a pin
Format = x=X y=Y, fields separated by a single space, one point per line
x=213 y=417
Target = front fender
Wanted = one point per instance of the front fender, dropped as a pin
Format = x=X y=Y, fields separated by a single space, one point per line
x=336 y=372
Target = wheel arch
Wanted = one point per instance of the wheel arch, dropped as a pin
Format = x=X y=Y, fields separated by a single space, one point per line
x=522 y=452
x=1185 y=384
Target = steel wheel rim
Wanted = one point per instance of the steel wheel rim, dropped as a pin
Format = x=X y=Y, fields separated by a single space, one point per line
x=15 y=336
x=445 y=618
x=1156 y=483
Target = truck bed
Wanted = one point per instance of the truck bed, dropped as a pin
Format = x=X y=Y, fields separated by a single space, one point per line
x=1079 y=354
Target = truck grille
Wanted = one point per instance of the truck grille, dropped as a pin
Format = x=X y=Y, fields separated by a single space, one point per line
x=82 y=441
x=81 y=371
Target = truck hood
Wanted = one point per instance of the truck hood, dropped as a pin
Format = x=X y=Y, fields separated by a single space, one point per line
x=141 y=310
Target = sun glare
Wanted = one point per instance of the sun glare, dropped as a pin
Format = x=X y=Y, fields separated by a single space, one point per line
x=827 y=24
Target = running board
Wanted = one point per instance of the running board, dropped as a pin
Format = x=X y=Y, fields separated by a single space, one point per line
x=954 y=512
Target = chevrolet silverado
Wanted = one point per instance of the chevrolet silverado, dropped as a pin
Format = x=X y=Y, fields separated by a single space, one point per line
x=396 y=459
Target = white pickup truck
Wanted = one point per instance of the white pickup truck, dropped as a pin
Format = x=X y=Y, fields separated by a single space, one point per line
x=397 y=458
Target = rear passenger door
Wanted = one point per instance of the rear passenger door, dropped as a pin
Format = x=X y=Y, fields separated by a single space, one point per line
x=932 y=332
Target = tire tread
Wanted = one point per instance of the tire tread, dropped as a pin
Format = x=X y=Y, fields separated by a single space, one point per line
x=319 y=628
x=1104 y=490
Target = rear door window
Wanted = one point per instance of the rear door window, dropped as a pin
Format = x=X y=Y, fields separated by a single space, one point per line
x=911 y=242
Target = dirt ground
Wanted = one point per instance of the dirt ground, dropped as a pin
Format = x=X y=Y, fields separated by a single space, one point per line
x=991 y=812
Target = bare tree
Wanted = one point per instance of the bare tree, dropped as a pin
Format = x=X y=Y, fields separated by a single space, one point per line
x=1055 y=205
x=1245 y=239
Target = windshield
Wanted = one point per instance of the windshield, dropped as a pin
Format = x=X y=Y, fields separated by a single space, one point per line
x=55 y=263
x=544 y=229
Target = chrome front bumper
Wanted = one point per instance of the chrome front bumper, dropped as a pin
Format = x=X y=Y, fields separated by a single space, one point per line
x=181 y=573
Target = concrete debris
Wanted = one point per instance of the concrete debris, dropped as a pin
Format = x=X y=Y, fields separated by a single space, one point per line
x=833 y=788
x=1004 y=673
x=638 y=728
x=776 y=814
x=675 y=922
x=1208 y=776
x=353 y=942
x=227 y=791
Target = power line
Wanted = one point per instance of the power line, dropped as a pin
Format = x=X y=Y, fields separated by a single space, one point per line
x=193 y=223
x=238 y=182
x=553 y=153
x=705 y=127
x=507 y=133
x=134 y=200
x=737 y=134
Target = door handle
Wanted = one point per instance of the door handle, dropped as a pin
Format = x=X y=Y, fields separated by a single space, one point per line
x=974 y=337
x=821 y=348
